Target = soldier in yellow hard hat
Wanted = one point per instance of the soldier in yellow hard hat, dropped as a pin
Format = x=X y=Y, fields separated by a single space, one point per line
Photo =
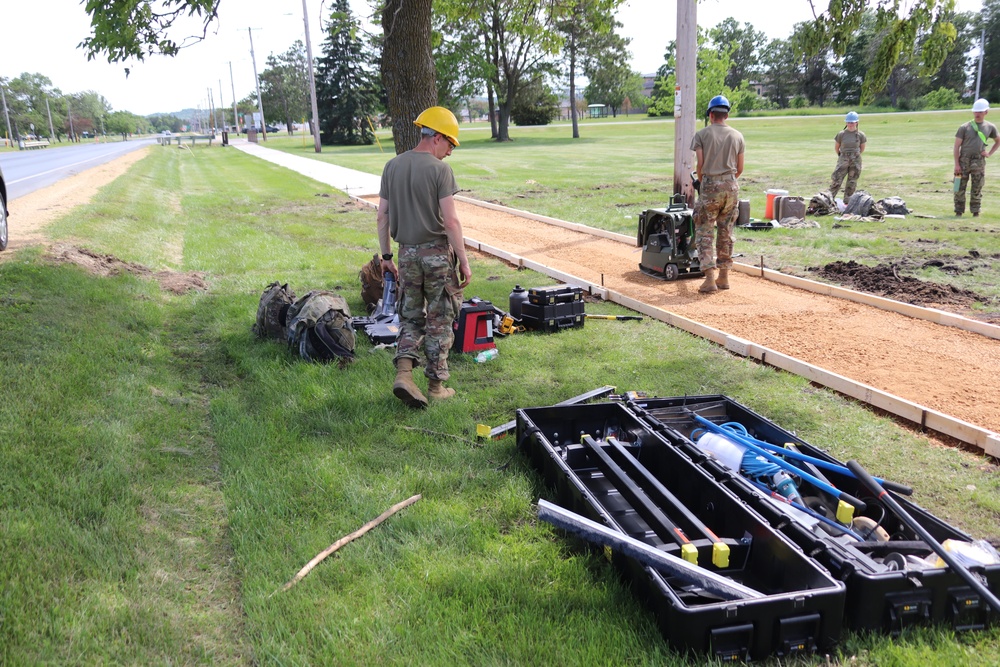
x=417 y=209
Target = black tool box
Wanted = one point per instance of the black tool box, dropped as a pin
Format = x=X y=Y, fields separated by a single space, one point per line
x=553 y=294
x=889 y=585
x=553 y=308
x=605 y=464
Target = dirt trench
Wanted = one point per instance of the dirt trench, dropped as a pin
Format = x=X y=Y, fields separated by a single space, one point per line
x=940 y=367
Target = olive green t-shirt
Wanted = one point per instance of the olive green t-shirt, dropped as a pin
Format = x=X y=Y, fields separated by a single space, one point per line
x=972 y=145
x=720 y=145
x=851 y=142
x=413 y=183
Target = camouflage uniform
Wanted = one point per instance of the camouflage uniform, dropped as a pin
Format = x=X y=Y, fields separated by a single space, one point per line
x=716 y=208
x=427 y=275
x=848 y=164
x=974 y=169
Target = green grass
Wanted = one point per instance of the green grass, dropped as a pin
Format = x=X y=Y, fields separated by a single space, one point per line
x=616 y=170
x=163 y=473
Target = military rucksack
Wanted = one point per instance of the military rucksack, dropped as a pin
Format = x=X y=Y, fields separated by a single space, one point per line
x=822 y=203
x=371 y=283
x=894 y=206
x=272 y=311
x=319 y=327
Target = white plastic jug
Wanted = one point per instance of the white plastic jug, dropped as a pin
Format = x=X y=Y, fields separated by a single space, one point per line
x=730 y=453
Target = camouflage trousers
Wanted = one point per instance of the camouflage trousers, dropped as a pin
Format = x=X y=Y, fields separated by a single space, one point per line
x=849 y=166
x=715 y=215
x=429 y=305
x=973 y=169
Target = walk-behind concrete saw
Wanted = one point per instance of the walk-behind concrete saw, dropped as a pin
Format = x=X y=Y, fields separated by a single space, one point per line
x=666 y=236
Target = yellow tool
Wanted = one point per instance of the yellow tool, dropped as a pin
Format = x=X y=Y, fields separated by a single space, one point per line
x=508 y=325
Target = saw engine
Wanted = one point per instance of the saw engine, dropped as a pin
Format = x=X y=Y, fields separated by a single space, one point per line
x=666 y=236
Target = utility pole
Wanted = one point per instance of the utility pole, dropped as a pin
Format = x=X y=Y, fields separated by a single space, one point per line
x=52 y=131
x=6 y=114
x=982 y=48
x=312 y=80
x=256 y=79
x=685 y=96
x=236 y=113
x=222 y=106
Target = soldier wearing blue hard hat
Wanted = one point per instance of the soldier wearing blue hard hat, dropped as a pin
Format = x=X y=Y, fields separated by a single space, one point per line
x=849 y=144
x=719 y=149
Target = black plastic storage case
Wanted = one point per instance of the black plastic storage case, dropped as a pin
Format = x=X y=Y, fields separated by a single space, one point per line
x=877 y=599
x=553 y=308
x=802 y=607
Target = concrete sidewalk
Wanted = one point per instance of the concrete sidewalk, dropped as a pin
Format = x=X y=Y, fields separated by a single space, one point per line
x=353 y=182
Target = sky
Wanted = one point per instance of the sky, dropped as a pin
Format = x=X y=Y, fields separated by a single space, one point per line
x=163 y=85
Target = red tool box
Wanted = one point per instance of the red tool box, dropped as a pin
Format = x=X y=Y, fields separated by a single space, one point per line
x=474 y=326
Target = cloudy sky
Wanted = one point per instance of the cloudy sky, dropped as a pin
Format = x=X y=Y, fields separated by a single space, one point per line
x=42 y=37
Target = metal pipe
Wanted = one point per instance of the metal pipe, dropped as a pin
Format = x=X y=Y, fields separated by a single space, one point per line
x=869 y=482
x=592 y=531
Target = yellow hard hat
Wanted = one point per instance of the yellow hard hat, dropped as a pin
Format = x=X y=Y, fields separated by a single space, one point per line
x=440 y=120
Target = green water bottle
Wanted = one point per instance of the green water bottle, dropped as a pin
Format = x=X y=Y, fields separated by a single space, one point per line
x=958 y=183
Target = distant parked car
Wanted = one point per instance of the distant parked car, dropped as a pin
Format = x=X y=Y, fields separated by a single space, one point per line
x=272 y=128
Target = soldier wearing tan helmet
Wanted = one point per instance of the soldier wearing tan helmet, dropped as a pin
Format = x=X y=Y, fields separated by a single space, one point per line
x=970 y=156
x=417 y=209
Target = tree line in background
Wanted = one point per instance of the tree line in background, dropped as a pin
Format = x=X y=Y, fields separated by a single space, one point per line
x=518 y=61
x=757 y=74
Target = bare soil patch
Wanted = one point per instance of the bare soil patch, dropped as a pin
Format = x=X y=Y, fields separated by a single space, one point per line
x=886 y=281
x=109 y=265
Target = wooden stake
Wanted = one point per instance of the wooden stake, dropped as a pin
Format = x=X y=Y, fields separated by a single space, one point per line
x=349 y=538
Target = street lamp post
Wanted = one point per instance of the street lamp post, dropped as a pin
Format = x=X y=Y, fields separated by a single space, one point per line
x=312 y=80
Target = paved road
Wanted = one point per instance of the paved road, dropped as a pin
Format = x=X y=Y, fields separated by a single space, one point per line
x=27 y=171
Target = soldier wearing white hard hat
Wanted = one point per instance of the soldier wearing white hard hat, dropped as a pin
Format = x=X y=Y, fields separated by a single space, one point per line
x=849 y=144
x=971 y=150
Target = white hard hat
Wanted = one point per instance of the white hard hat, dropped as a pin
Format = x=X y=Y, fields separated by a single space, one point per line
x=981 y=105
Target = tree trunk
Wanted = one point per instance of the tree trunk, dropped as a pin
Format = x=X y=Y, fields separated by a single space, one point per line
x=407 y=67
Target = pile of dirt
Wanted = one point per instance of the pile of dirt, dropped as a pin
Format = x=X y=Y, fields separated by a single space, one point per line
x=109 y=265
x=884 y=280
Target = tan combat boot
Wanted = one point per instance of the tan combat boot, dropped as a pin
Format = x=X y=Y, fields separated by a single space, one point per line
x=437 y=390
x=722 y=282
x=404 y=388
x=709 y=285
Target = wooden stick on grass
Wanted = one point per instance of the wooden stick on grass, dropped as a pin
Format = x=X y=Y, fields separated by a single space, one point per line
x=349 y=538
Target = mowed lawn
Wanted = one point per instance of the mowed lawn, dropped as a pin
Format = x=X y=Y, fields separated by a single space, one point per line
x=163 y=473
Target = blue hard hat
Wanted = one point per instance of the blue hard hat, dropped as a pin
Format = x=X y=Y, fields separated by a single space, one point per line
x=851 y=117
x=717 y=102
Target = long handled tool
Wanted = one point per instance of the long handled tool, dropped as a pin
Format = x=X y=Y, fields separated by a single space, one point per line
x=869 y=482
x=592 y=531
x=613 y=317
x=820 y=463
x=785 y=465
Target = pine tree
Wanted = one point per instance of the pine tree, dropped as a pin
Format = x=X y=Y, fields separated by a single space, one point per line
x=346 y=90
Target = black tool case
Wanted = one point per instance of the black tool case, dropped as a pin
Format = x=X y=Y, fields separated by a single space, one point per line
x=552 y=317
x=553 y=294
x=878 y=599
x=607 y=465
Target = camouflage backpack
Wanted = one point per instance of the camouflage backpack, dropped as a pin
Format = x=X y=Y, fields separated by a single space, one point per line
x=319 y=327
x=371 y=283
x=272 y=310
x=822 y=203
